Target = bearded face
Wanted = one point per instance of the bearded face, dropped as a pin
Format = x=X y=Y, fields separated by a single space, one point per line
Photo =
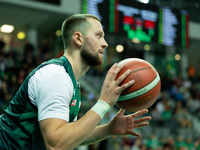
x=94 y=44
x=90 y=55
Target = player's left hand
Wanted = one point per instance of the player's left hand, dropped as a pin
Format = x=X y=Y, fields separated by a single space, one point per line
x=124 y=125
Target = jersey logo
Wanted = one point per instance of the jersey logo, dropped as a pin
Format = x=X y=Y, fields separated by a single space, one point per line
x=73 y=102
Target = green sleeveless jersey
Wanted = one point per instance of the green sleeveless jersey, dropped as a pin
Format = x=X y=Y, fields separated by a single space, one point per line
x=19 y=126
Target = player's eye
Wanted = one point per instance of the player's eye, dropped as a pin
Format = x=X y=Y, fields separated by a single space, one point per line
x=99 y=35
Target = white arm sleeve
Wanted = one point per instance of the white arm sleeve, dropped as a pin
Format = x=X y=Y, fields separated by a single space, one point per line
x=51 y=90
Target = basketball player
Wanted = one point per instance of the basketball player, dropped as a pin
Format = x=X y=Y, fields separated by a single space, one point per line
x=43 y=113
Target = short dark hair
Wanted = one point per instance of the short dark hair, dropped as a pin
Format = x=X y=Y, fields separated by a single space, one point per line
x=75 y=23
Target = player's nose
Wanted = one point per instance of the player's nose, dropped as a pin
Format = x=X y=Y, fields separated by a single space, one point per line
x=104 y=44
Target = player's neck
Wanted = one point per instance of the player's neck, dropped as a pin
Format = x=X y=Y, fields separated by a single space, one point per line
x=79 y=68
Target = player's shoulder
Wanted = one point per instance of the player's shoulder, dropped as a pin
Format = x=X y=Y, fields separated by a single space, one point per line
x=52 y=72
x=53 y=68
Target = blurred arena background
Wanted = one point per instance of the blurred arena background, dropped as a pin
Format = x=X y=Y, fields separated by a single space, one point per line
x=34 y=37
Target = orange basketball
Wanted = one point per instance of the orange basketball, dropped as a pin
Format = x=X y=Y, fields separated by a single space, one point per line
x=145 y=91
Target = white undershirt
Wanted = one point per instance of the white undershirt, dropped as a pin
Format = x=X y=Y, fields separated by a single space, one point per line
x=51 y=90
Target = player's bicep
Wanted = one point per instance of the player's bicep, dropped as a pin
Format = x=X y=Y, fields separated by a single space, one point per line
x=49 y=129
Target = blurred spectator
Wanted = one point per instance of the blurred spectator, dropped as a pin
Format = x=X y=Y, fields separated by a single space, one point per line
x=153 y=142
x=2 y=45
x=197 y=144
x=193 y=105
x=114 y=143
x=156 y=116
x=29 y=57
x=138 y=144
x=21 y=76
x=176 y=92
x=169 y=144
x=44 y=49
x=166 y=114
x=13 y=85
x=183 y=117
x=185 y=92
x=189 y=144
x=28 y=48
x=193 y=91
x=127 y=141
x=160 y=106
x=9 y=61
x=5 y=96
x=180 y=143
x=191 y=72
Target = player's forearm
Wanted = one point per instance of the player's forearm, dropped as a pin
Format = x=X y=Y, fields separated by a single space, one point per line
x=70 y=135
x=98 y=134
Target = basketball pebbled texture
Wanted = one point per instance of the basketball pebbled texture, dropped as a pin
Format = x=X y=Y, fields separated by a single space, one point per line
x=146 y=89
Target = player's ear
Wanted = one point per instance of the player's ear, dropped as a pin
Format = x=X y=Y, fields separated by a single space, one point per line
x=77 y=37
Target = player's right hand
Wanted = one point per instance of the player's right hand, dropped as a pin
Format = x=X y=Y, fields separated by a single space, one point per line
x=111 y=88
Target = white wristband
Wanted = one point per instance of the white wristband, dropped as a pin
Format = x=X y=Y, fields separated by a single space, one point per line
x=101 y=108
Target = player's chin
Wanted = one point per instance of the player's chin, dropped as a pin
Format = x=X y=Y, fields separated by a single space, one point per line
x=97 y=63
x=100 y=63
x=100 y=60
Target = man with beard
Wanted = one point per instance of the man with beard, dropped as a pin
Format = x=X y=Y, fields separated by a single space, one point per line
x=43 y=113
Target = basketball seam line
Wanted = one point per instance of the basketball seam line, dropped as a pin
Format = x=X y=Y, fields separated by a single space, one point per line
x=141 y=91
x=142 y=69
